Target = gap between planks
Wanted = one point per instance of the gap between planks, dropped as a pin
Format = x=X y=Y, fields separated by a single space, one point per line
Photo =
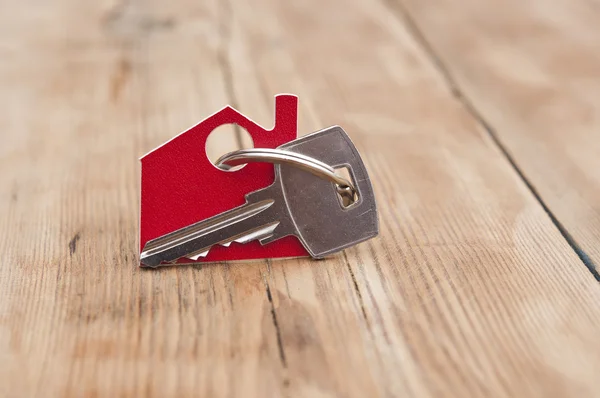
x=400 y=12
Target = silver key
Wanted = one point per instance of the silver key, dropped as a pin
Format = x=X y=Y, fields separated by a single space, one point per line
x=297 y=203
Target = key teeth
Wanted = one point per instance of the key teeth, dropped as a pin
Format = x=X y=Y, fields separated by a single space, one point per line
x=259 y=234
x=281 y=232
x=268 y=239
x=195 y=257
x=264 y=233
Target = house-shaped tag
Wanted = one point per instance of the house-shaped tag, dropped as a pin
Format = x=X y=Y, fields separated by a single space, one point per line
x=180 y=186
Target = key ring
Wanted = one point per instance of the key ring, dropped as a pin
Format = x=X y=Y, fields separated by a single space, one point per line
x=344 y=187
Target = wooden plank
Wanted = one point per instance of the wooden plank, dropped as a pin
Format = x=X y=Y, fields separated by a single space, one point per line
x=532 y=70
x=469 y=291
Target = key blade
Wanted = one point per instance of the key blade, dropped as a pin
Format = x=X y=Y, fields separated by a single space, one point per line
x=251 y=221
x=260 y=233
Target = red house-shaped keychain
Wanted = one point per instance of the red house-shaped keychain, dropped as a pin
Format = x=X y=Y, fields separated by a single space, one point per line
x=180 y=185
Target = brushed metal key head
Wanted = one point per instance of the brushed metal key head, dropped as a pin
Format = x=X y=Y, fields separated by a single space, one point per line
x=321 y=220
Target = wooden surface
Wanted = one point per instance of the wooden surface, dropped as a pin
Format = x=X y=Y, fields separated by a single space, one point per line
x=531 y=73
x=477 y=121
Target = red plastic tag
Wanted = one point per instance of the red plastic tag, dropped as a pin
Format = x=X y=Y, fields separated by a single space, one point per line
x=180 y=186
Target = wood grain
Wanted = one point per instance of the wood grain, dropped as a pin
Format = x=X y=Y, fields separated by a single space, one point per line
x=469 y=291
x=532 y=72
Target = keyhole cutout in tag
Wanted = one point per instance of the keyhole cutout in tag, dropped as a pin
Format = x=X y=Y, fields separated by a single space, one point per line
x=224 y=139
x=181 y=186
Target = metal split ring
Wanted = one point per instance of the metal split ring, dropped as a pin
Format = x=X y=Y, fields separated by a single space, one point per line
x=344 y=187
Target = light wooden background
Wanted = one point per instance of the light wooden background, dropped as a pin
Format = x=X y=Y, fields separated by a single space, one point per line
x=479 y=122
